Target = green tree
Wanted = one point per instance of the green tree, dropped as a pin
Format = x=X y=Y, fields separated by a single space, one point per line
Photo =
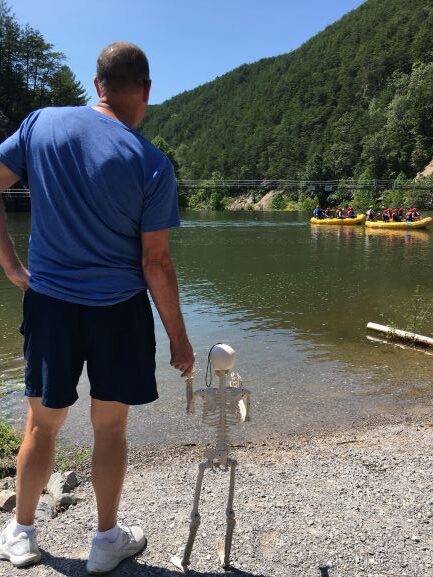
x=65 y=89
x=279 y=201
x=32 y=73
x=163 y=145
x=363 y=198
x=211 y=194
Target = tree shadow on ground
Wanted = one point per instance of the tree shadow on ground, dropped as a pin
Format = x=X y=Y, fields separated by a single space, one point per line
x=131 y=568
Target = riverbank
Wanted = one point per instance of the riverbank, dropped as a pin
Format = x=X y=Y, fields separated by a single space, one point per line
x=272 y=200
x=357 y=502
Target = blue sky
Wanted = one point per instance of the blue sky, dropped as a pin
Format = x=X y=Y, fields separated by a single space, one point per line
x=188 y=42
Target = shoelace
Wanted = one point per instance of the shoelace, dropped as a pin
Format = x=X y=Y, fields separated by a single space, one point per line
x=127 y=530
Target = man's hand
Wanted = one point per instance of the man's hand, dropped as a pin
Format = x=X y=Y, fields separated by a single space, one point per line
x=182 y=356
x=19 y=276
x=161 y=279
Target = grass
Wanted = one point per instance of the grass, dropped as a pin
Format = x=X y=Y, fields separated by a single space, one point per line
x=73 y=458
x=68 y=457
x=10 y=442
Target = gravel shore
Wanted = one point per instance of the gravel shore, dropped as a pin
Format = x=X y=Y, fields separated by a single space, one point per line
x=358 y=502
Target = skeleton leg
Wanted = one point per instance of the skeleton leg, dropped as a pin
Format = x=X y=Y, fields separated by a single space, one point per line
x=225 y=546
x=182 y=563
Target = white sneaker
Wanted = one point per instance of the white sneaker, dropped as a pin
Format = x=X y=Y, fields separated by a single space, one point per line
x=21 y=550
x=105 y=556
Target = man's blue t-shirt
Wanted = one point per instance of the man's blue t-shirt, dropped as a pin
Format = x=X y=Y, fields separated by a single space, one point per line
x=95 y=185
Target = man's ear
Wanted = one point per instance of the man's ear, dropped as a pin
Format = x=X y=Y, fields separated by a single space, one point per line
x=98 y=88
x=146 y=90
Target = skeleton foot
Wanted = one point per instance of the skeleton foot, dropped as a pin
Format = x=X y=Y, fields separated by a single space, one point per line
x=177 y=562
x=224 y=545
x=183 y=562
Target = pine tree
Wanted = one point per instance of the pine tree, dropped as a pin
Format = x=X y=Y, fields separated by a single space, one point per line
x=32 y=73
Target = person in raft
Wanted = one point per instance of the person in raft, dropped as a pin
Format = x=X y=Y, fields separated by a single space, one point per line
x=386 y=215
x=413 y=214
x=318 y=212
x=350 y=213
x=396 y=215
x=328 y=212
x=416 y=214
x=371 y=215
x=339 y=212
x=103 y=200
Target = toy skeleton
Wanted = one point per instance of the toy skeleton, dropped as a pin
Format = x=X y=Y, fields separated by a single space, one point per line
x=223 y=407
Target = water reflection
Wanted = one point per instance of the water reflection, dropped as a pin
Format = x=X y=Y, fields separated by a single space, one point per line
x=408 y=236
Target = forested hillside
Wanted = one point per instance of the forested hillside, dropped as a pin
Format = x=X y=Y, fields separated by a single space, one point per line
x=354 y=101
x=32 y=73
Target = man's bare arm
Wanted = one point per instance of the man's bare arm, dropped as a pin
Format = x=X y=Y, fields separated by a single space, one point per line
x=11 y=264
x=161 y=279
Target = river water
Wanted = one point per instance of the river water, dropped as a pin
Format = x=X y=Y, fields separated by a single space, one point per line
x=294 y=301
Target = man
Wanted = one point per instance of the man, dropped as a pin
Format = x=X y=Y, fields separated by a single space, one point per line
x=371 y=215
x=386 y=214
x=395 y=216
x=318 y=212
x=103 y=199
x=350 y=213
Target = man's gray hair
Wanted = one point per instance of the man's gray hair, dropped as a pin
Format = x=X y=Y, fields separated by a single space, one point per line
x=121 y=66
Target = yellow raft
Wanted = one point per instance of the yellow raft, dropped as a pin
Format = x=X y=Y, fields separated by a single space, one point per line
x=414 y=225
x=339 y=221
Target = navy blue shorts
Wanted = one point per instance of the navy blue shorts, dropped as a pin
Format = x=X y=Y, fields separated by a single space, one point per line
x=116 y=341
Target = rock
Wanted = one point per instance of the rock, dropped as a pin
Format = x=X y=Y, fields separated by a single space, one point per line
x=428 y=170
x=71 y=479
x=46 y=509
x=59 y=489
x=265 y=202
x=57 y=486
x=7 y=483
x=66 y=499
x=7 y=500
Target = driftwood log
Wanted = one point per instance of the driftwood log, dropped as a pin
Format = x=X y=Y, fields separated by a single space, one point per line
x=404 y=335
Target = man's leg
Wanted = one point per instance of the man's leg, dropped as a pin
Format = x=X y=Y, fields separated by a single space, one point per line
x=112 y=543
x=34 y=466
x=120 y=366
x=109 y=420
x=36 y=457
